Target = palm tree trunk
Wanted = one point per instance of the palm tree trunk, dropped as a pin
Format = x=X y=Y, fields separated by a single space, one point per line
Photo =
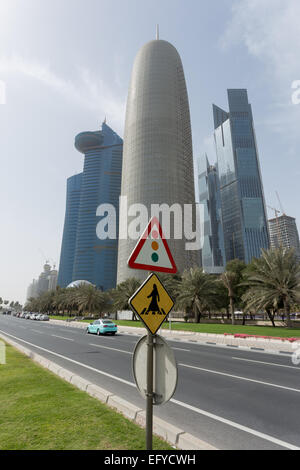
x=227 y=312
x=232 y=311
x=271 y=317
x=287 y=310
x=196 y=314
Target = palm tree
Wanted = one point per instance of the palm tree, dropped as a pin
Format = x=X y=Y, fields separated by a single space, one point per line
x=48 y=301
x=32 y=305
x=230 y=280
x=89 y=299
x=172 y=283
x=255 y=300
x=122 y=293
x=196 y=291
x=17 y=305
x=62 y=300
x=274 y=281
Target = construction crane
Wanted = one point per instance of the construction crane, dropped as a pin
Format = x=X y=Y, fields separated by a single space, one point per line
x=279 y=240
x=281 y=207
x=277 y=211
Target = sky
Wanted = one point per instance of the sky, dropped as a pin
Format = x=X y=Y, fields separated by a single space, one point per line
x=65 y=65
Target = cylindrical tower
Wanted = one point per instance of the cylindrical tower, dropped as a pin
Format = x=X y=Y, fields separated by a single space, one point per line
x=70 y=230
x=157 y=156
x=95 y=260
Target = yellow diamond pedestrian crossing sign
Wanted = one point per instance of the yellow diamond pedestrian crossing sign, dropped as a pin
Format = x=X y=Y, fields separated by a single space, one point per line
x=152 y=303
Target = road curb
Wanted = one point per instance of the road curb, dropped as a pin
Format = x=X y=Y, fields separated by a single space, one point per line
x=270 y=346
x=170 y=433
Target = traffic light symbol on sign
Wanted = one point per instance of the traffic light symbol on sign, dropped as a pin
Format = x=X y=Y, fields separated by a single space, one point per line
x=155 y=246
x=152 y=252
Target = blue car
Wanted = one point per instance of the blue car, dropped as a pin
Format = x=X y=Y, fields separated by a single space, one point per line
x=102 y=327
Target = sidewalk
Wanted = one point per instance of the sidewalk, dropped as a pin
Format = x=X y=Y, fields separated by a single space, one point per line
x=257 y=344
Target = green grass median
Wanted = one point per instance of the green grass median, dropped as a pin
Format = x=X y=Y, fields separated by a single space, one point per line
x=217 y=328
x=213 y=328
x=39 y=411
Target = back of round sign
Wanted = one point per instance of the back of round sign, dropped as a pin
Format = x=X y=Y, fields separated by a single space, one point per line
x=165 y=373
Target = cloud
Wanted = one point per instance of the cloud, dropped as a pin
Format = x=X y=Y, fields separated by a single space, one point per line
x=86 y=90
x=270 y=29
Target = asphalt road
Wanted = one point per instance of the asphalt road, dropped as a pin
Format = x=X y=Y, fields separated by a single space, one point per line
x=230 y=398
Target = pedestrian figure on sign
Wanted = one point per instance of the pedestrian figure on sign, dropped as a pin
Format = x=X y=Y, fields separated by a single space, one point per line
x=153 y=307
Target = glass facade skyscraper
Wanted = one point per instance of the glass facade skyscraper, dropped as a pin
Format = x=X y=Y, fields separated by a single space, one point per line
x=83 y=253
x=212 y=251
x=66 y=264
x=242 y=199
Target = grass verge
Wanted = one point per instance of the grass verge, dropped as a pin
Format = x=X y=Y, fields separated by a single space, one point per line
x=221 y=329
x=39 y=411
x=214 y=328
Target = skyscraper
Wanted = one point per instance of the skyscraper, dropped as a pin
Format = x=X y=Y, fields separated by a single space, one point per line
x=212 y=251
x=241 y=190
x=66 y=264
x=84 y=256
x=283 y=231
x=158 y=159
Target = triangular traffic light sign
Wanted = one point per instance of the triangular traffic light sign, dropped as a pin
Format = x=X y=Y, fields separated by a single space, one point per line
x=152 y=252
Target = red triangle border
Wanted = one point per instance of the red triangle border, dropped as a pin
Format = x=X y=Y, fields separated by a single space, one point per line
x=131 y=261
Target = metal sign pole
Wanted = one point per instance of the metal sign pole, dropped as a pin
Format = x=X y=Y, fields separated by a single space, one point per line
x=149 y=394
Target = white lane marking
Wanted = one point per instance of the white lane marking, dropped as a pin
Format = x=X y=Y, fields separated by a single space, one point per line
x=176 y=402
x=112 y=349
x=62 y=337
x=255 y=433
x=72 y=360
x=69 y=331
x=180 y=349
x=267 y=363
x=241 y=378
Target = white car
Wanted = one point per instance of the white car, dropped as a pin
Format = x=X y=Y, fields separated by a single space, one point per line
x=33 y=316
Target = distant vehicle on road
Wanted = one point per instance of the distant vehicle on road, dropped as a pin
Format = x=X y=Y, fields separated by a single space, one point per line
x=102 y=327
x=44 y=318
